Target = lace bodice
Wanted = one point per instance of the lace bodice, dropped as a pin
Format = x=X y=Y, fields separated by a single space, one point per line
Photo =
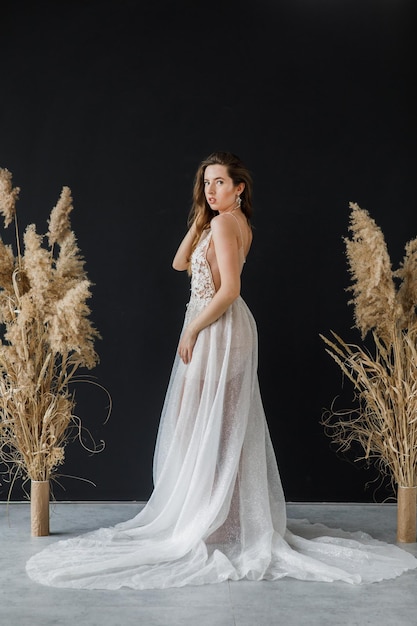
x=202 y=285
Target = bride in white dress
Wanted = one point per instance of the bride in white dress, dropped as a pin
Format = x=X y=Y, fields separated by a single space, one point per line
x=217 y=510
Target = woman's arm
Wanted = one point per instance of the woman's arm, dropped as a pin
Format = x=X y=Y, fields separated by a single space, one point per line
x=226 y=249
x=183 y=254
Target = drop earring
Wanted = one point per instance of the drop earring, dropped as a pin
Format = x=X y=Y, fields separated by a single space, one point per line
x=239 y=201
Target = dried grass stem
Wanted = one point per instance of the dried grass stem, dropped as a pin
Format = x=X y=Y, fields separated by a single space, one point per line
x=384 y=421
x=47 y=337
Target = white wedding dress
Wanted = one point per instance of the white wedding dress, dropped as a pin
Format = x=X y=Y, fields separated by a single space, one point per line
x=217 y=511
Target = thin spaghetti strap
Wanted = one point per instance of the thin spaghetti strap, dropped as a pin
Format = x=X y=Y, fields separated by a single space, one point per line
x=240 y=229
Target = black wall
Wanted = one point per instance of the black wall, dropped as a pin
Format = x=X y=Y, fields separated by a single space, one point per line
x=120 y=100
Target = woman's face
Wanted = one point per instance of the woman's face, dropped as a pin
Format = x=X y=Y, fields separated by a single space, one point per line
x=219 y=189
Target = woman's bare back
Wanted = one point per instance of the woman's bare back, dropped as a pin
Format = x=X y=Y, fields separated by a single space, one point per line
x=243 y=241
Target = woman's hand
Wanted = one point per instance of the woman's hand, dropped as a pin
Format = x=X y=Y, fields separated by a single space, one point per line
x=187 y=343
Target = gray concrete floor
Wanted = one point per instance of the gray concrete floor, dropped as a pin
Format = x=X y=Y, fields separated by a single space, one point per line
x=286 y=602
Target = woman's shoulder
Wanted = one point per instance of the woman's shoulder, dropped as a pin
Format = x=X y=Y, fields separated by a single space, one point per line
x=223 y=226
x=227 y=225
x=223 y=221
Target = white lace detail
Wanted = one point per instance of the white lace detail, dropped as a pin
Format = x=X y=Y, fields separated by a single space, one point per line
x=202 y=285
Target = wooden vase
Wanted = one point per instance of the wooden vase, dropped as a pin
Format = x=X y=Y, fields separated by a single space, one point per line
x=39 y=508
x=406 y=514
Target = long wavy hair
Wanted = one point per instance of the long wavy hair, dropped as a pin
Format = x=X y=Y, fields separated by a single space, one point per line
x=201 y=213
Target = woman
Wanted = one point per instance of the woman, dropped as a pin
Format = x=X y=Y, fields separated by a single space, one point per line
x=217 y=510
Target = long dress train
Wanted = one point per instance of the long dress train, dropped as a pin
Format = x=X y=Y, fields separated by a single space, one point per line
x=217 y=510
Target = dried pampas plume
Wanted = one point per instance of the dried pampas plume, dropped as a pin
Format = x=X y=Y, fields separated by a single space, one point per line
x=59 y=221
x=8 y=197
x=384 y=378
x=47 y=337
x=370 y=268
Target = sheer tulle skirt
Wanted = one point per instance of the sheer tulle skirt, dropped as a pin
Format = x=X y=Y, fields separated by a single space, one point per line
x=217 y=510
